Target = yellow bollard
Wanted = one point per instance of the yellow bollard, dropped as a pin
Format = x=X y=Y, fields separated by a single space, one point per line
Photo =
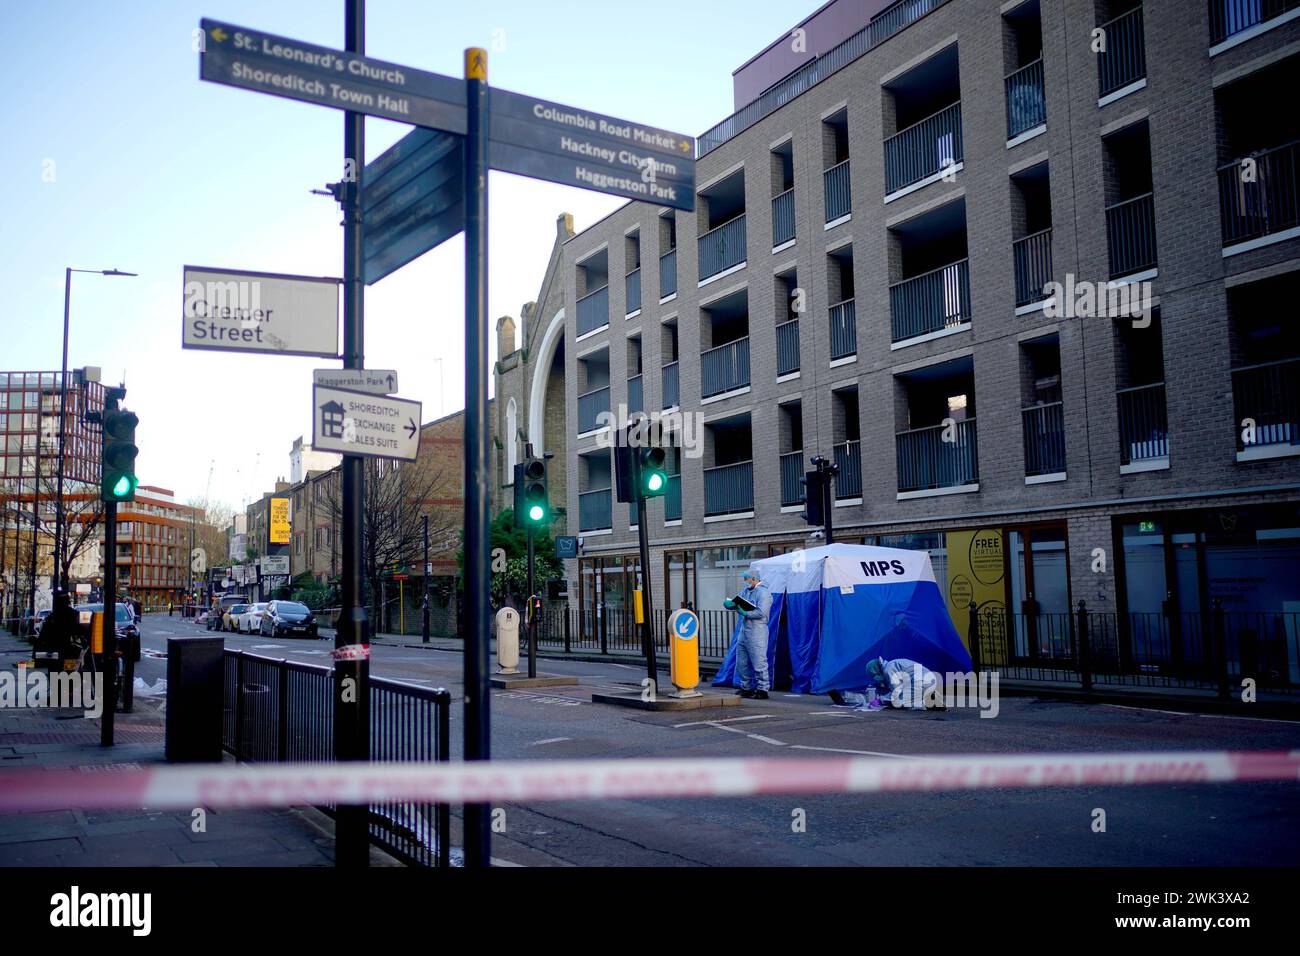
x=684 y=652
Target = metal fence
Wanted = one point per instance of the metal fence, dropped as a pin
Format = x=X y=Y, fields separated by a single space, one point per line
x=1026 y=102
x=1269 y=395
x=848 y=459
x=1044 y=439
x=590 y=406
x=1143 y=426
x=724 y=368
x=1131 y=235
x=635 y=394
x=633 y=291
x=1033 y=258
x=930 y=302
x=673 y=499
x=279 y=711
x=923 y=149
x=844 y=329
x=1124 y=59
x=783 y=217
x=1230 y=17
x=1260 y=194
x=792 y=492
x=593 y=310
x=839 y=197
x=594 y=510
x=670 y=382
x=930 y=458
x=668 y=273
x=722 y=248
x=729 y=489
x=787 y=347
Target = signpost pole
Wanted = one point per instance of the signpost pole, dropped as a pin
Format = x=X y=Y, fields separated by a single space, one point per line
x=352 y=670
x=424 y=607
x=478 y=838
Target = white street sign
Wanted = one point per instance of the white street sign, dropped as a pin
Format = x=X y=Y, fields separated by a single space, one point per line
x=275 y=564
x=376 y=381
x=356 y=423
x=229 y=310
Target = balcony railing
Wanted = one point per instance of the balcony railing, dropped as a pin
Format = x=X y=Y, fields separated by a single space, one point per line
x=635 y=395
x=940 y=456
x=1143 y=428
x=1131 y=235
x=593 y=310
x=633 y=290
x=668 y=273
x=844 y=329
x=791 y=471
x=885 y=25
x=839 y=200
x=1033 y=258
x=670 y=398
x=1269 y=395
x=1260 y=195
x=1026 y=100
x=590 y=405
x=923 y=149
x=1230 y=17
x=594 y=510
x=783 y=218
x=1044 y=439
x=722 y=248
x=1124 y=61
x=787 y=347
x=848 y=459
x=931 y=302
x=729 y=489
x=724 y=368
x=673 y=499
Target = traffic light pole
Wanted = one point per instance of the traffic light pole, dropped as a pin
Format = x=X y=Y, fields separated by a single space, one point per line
x=828 y=500
x=647 y=630
x=532 y=618
x=424 y=607
x=109 y=657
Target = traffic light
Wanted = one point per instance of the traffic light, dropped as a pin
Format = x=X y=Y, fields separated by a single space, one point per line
x=641 y=465
x=651 y=471
x=814 y=483
x=532 y=499
x=119 y=481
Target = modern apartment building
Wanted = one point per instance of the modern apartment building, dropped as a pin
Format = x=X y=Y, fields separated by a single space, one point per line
x=868 y=276
x=153 y=547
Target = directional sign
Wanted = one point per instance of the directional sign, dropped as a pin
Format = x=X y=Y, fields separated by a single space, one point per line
x=357 y=423
x=376 y=381
x=566 y=546
x=683 y=624
x=232 y=310
x=274 y=564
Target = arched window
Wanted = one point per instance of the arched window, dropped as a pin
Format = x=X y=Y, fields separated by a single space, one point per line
x=511 y=440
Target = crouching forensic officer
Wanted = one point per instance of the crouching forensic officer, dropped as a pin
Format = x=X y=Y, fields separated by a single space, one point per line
x=751 y=649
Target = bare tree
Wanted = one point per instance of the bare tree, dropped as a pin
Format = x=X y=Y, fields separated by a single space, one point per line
x=83 y=516
x=209 y=521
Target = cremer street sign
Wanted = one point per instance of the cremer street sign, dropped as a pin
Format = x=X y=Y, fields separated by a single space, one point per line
x=358 y=423
x=231 y=310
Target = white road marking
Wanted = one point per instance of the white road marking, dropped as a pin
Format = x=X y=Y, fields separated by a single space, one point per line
x=549 y=740
x=864 y=753
x=723 y=720
x=737 y=730
x=1183 y=713
x=266 y=647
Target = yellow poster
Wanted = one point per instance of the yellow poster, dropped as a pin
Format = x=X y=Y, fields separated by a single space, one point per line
x=279 y=521
x=976 y=572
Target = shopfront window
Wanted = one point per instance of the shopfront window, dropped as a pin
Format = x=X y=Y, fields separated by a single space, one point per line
x=718 y=572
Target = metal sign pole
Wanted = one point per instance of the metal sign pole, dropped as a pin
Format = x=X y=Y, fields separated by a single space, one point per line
x=478 y=837
x=109 y=657
x=532 y=615
x=643 y=543
x=424 y=607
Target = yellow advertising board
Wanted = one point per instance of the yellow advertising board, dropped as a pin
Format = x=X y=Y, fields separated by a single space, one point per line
x=279 y=521
x=976 y=572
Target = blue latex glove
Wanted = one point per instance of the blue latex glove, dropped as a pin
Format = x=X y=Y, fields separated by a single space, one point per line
x=729 y=604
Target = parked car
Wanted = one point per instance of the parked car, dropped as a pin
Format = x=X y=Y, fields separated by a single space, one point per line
x=229 y=620
x=125 y=625
x=250 y=621
x=288 y=618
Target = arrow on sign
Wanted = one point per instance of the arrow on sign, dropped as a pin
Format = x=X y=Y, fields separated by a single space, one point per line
x=411 y=428
x=390 y=382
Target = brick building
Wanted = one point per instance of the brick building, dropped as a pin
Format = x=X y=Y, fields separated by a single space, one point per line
x=153 y=547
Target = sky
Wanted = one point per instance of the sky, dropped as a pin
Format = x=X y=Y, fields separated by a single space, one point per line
x=117 y=156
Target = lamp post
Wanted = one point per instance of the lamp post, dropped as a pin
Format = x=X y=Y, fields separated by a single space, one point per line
x=63 y=415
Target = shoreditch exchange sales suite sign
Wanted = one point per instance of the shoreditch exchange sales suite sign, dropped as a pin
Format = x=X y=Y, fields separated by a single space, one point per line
x=229 y=310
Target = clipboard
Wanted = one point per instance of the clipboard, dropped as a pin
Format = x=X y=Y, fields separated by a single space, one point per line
x=744 y=605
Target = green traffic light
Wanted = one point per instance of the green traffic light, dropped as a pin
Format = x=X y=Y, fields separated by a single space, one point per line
x=654 y=482
x=123 y=487
x=536 y=513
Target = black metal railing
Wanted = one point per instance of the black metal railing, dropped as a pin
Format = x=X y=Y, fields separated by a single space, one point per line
x=923 y=149
x=839 y=197
x=729 y=489
x=1026 y=100
x=783 y=217
x=787 y=347
x=278 y=711
x=594 y=510
x=1124 y=59
x=669 y=379
x=848 y=459
x=1268 y=395
x=1230 y=17
x=791 y=472
x=1044 y=439
x=590 y=406
x=931 y=302
x=1143 y=427
x=1131 y=235
x=882 y=27
x=940 y=456
x=722 y=248
x=635 y=395
x=724 y=368
x=844 y=329
x=593 y=310
x=1259 y=195
x=668 y=274
x=633 y=291
x=673 y=499
x=1033 y=259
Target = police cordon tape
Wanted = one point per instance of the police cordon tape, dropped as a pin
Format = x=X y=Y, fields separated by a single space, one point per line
x=220 y=786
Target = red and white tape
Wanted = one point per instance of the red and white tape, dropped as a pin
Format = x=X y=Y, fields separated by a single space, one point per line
x=515 y=781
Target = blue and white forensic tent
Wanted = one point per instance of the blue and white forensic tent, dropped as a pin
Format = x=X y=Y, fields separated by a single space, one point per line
x=836 y=607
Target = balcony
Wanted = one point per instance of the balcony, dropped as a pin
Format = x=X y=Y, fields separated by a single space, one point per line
x=848 y=459
x=1026 y=100
x=787 y=347
x=792 y=492
x=1033 y=259
x=593 y=310
x=594 y=510
x=729 y=489
x=1044 y=439
x=931 y=302
x=671 y=398
x=673 y=499
x=839 y=201
x=1231 y=17
x=722 y=248
x=1131 y=235
x=668 y=274
x=923 y=149
x=1268 y=205
x=1143 y=428
x=783 y=218
x=1124 y=61
x=1269 y=395
x=844 y=330
x=634 y=291
x=926 y=462
x=635 y=395
x=590 y=407
x=725 y=368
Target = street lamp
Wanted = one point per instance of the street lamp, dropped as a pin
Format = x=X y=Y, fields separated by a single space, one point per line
x=63 y=414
